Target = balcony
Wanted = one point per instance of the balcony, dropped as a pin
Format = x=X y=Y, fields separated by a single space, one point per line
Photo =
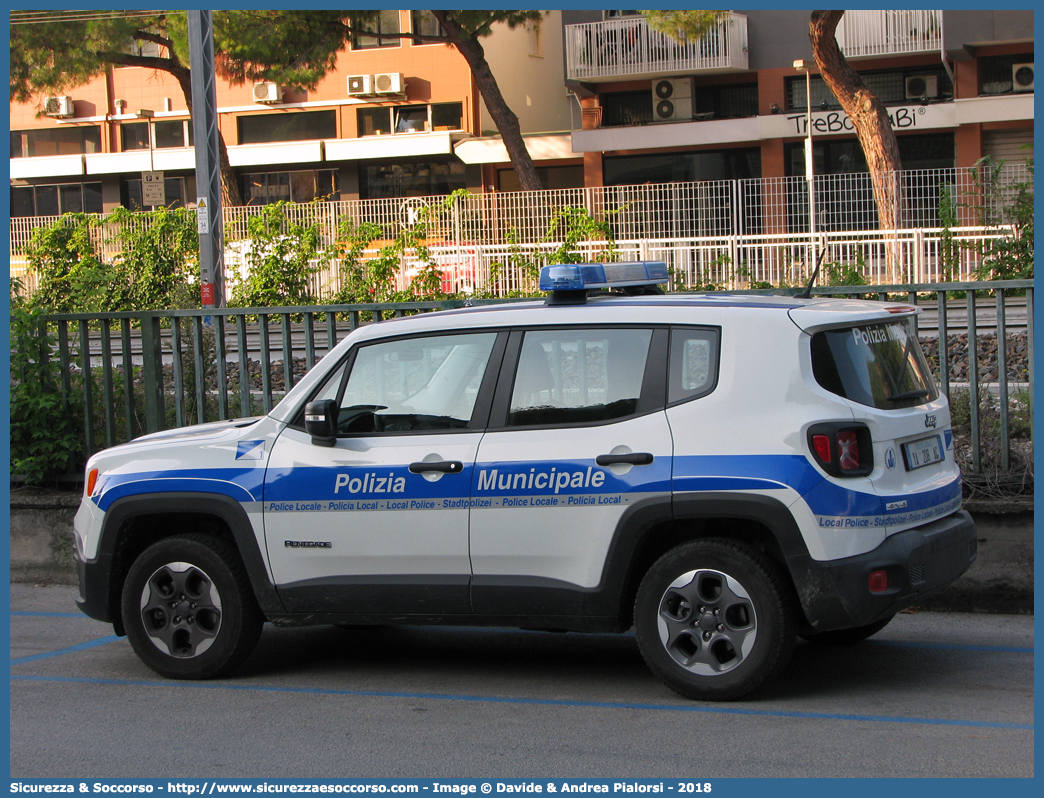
x=628 y=49
x=867 y=34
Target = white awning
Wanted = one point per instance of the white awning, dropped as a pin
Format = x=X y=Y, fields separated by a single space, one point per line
x=46 y=166
x=390 y=145
x=276 y=153
x=108 y=163
x=549 y=147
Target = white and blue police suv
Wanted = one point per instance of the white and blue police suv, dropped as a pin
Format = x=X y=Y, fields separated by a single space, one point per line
x=723 y=472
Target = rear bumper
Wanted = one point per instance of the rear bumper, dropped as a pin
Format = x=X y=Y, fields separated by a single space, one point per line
x=919 y=562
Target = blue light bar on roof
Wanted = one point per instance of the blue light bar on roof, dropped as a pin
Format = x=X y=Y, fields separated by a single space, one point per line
x=592 y=276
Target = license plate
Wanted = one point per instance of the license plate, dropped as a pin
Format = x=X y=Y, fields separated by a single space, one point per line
x=923 y=452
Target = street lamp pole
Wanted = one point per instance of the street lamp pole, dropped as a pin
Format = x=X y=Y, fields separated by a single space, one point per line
x=806 y=67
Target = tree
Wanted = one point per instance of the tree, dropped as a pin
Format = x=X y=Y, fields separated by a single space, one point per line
x=298 y=48
x=867 y=112
x=57 y=50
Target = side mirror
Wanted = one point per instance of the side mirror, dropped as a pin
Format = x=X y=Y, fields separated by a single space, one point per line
x=321 y=421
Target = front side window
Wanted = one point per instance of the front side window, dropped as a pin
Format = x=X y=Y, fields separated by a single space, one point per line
x=880 y=365
x=414 y=384
x=578 y=376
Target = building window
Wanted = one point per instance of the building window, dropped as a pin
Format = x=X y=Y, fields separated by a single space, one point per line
x=304 y=126
x=995 y=72
x=173 y=189
x=55 y=141
x=264 y=188
x=173 y=133
x=410 y=180
x=424 y=23
x=550 y=177
x=134 y=136
x=411 y=118
x=447 y=116
x=56 y=200
x=381 y=120
x=889 y=87
x=374 y=121
x=386 y=22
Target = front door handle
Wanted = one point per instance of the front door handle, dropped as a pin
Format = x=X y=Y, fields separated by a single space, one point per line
x=443 y=467
x=631 y=458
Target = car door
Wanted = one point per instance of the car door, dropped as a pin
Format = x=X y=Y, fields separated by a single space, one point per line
x=577 y=442
x=377 y=522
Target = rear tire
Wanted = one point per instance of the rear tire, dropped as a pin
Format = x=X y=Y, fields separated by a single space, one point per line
x=189 y=609
x=846 y=637
x=714 y=619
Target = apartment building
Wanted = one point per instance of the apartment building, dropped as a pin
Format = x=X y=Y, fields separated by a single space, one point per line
x=958 y=86
x=386 y=123
x=602 y=100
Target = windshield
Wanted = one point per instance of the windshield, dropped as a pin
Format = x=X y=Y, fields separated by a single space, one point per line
x=880 y=365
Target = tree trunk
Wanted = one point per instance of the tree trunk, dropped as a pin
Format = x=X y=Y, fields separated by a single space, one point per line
x=867 y=113
x=230 y=196
x=503 y=117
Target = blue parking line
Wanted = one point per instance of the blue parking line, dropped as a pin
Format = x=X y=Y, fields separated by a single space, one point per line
x=955 y=647
x=70 y=650
x=714 y=710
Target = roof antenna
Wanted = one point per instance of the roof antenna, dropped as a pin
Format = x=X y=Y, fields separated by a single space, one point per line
x=807 y=293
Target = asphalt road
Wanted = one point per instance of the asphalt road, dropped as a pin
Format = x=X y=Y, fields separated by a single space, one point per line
x=934 y=694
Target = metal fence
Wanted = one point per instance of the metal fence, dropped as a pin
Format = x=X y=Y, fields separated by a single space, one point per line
x=123 y=374
x=759 y=227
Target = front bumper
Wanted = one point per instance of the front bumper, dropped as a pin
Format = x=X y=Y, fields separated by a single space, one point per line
x=919 y=562
x=94 y=587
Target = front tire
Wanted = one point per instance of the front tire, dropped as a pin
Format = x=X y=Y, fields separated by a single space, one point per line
x=188 y=608
x=714 y=619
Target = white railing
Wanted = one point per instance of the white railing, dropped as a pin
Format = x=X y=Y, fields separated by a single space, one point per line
x=759 y=226
x=626 y=47
x=862 y=34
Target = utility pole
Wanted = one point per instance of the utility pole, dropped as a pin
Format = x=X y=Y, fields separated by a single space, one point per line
x=208 y=163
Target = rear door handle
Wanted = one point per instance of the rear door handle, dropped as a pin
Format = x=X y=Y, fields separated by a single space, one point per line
x=444 y=467
x=633 y=458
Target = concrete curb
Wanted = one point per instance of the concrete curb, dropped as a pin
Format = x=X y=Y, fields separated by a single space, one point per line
x=1001 y=581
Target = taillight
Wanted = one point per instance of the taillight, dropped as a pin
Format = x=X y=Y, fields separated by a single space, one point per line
x=821 y=446
x=843 y=450
x=848 y=444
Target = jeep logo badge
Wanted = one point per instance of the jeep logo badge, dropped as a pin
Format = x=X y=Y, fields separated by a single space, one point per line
x=930 y=421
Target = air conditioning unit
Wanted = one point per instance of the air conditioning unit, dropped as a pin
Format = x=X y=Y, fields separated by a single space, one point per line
x=360 y=85
x=59 y=107
x=672 y=99
x=389 y=83
x=921 y=86
x=1022 y=77
x=267 y=92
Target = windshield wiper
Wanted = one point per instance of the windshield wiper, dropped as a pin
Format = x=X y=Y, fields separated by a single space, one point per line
x=921 y=393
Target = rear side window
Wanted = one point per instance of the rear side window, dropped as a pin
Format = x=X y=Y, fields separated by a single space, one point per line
x=694 y=363
x=879 y=365
x=578 y=376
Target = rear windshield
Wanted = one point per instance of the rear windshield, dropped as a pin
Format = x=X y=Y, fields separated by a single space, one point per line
x=880 y=365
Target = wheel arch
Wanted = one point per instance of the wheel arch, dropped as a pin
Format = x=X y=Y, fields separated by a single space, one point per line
x=761 y=522
x=134 y=523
